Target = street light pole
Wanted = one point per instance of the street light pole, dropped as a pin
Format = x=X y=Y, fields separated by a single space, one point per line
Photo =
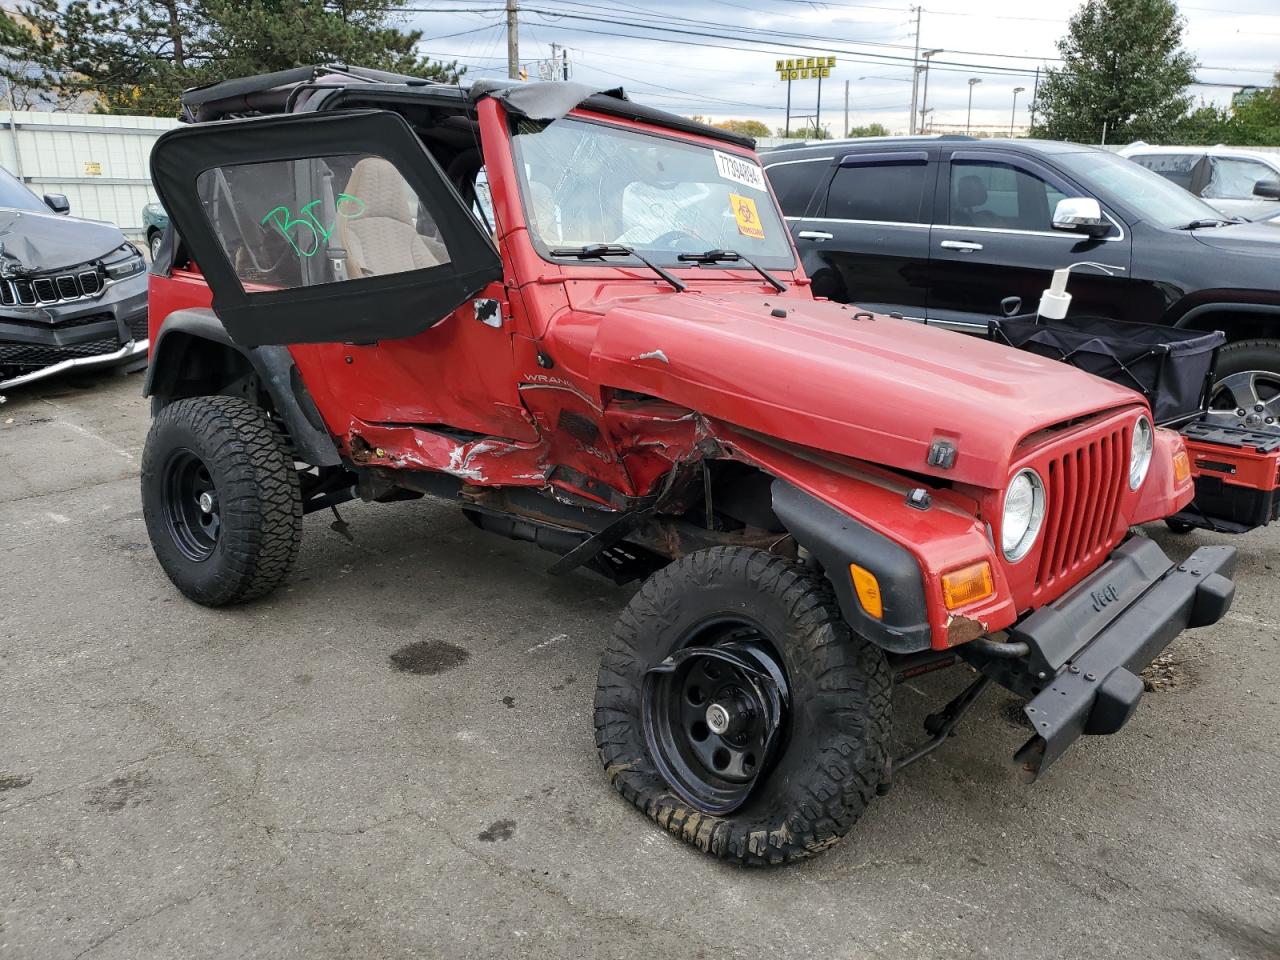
x=1014 y=115
x=924 y=99
x=973 y=82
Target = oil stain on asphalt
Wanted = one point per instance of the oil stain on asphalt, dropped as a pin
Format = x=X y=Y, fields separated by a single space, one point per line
x=429 y=657
x=498 y=830
x=13 y=781
x=117 y=793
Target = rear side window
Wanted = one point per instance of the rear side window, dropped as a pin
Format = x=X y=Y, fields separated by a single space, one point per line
x=1001 y=196
x=795 y=183
x=891 y=192
x=1178 y=167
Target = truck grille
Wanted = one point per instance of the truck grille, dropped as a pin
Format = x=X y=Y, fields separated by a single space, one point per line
x=1082 y=488
x=19 y=358
x=60 y=288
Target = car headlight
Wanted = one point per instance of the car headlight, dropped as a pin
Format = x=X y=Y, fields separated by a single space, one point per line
x=1023 y=514
x=1140 y=452
x=125 y=262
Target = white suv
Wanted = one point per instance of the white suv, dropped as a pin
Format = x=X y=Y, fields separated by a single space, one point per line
x=1238 y=182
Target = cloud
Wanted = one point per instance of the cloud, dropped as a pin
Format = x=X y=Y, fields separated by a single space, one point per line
x=716 y=57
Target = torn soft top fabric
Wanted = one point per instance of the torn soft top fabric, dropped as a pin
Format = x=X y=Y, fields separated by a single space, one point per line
x=540 y=101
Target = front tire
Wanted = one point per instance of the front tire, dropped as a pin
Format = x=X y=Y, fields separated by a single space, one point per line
x=221 y=499
x=834 y=732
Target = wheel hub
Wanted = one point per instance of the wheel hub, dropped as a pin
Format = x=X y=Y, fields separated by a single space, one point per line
x=191 y=508
x=1250 y=398
x=714 y=715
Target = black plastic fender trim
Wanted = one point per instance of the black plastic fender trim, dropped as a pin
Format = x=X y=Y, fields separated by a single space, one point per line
x=837 y=540
x=274 y=367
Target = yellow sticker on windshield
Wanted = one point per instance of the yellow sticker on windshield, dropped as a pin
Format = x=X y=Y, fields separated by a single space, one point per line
x=744 y=211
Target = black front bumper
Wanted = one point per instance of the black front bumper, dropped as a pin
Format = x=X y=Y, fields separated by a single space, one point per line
x=40 y=341
x=1095 y=640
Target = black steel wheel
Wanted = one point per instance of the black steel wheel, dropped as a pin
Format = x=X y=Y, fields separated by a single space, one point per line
x=191 y=505
x=737 y=709
x=221 y=499
x=714 y=713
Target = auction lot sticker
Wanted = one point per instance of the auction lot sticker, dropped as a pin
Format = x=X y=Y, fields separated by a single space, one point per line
x=744 y=211
x=739 y=170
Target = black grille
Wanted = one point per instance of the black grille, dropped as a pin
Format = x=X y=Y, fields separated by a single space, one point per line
x=138 y=326
x=84 y=321
x=34 y=356
x=55 y=289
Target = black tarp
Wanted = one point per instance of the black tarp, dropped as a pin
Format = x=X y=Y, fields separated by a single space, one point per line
x=1170 y=367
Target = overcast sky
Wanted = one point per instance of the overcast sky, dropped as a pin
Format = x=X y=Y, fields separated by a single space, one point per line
x=1236 y=42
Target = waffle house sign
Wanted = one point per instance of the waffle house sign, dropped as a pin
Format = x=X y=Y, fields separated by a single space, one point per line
x=805 y=68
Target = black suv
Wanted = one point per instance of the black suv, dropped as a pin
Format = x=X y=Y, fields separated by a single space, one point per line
x=942 y=230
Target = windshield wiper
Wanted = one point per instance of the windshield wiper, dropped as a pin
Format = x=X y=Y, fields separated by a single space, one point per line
x=732 y=256
x=599 y=251
x=1204 y=223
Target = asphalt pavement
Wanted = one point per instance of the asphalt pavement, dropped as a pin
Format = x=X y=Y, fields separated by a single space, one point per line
x=392 y=757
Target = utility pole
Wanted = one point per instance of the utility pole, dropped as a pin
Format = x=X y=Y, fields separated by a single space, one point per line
x=1014 y=115
x=817 y=131
x=565 y=54
x=513 y=41
x=924 y=98
x=915 y=74
x=973 y=81
x=846 y=110
x=786 y=131
x=1035 y=100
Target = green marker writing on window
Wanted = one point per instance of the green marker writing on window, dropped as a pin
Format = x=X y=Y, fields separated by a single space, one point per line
x=347 y=207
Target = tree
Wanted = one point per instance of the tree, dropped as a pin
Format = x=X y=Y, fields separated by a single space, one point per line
x=1123 y=69
x=748 y=128
x=1256 y=116
x=136 y=56
x=870 y=130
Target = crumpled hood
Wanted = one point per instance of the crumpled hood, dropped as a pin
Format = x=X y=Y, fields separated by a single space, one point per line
x=40 y=242
x=1250 y=239
x=877 y=389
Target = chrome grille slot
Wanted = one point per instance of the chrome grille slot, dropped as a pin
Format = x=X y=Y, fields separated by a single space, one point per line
x=68 y=289
x=1083 y=488
x=22 y=289
x=56 y=289
x=45 y=290
x=90 y=282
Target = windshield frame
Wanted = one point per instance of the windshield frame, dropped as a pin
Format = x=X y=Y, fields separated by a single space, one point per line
x=662 y=257
x=1195 y=208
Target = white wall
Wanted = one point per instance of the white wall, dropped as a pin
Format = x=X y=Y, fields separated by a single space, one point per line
x=56 y=153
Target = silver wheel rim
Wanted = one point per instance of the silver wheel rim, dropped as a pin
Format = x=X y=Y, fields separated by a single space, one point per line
x=1249 y=399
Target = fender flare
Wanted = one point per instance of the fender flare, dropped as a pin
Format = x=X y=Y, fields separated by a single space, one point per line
x=837 y=540
x=1223 y=307
x=275 y=369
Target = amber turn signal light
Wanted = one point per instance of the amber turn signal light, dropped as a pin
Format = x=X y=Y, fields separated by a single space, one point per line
x=868 y=589
x=1181 y=466
x=967 y=585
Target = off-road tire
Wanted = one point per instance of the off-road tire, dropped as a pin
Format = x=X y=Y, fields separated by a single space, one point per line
x=837 y=738
x=257 y=488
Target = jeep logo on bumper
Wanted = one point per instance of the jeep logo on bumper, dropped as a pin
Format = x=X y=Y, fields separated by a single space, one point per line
x=1104 y=597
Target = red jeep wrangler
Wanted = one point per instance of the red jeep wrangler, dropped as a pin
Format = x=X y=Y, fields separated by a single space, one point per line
x=582 y=319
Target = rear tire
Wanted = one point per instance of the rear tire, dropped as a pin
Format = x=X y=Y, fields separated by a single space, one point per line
x=221 y=499
x=835 y=737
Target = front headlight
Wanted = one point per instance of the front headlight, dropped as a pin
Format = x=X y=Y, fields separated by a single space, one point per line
x=124 y=262
x=1023 y=514
x=1140 y=452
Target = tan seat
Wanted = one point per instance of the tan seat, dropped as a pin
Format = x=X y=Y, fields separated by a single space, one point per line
x=384 y=238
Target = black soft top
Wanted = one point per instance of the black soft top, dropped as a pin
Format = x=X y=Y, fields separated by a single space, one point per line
x=279 y=92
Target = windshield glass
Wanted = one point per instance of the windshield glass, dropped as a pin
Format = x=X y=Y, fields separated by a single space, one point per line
x=14 y=196
x=586 y=183
x=1149 y=195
